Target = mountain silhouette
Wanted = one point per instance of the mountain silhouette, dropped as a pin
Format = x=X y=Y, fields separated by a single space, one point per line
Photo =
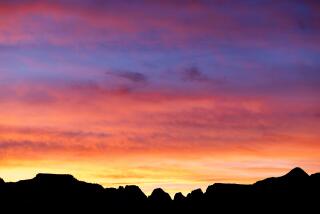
x=1 y=182
x=292 y=192
x=295 y=176
x=296 y=172
x=159 y=196
x=195 y=195
x=179 y=197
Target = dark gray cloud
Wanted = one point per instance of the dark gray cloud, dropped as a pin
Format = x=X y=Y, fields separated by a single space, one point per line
x=193 y=74
x=136 y=77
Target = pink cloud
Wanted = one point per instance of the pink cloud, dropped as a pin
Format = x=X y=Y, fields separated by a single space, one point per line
x=169 y=22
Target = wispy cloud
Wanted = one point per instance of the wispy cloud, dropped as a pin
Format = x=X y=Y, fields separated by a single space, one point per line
x=194 y=74
x=135 y=77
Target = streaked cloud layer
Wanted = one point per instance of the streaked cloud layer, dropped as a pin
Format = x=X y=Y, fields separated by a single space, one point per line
x=177 y=94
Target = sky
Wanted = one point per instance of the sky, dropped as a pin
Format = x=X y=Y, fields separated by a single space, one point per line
x=173 y=94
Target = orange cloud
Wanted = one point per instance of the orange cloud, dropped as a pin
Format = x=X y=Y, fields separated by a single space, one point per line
x=192 y=138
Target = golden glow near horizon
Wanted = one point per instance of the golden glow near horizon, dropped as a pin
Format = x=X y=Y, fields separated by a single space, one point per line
x=174 y=147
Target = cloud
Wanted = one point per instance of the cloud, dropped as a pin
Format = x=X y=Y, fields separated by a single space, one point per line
x=28 y=145
x=73 y=134
x=122 y=25
x=193 y=74
x=136 y=77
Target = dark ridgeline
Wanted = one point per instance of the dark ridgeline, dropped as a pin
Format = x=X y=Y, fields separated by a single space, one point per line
x=293 y=192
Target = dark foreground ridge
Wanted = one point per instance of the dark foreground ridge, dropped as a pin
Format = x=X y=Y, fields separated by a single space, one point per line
x=47 y=193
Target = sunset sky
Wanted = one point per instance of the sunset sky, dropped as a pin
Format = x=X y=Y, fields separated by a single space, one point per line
x=175 y=94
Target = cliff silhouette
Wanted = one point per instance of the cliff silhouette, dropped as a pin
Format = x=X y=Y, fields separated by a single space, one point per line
x=295 y=191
